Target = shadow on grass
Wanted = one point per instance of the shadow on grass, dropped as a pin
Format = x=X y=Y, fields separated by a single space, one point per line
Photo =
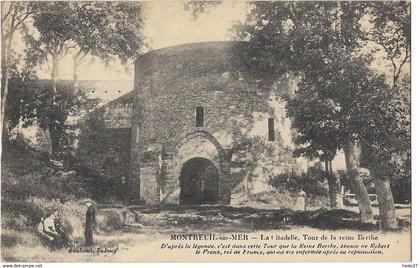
x=8 y=240
x=332 y=220
x=260 y=219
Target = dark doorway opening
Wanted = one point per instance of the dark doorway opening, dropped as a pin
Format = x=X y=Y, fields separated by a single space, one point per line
x=199 y=182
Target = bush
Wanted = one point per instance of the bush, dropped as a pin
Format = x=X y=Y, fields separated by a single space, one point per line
x=109 y=221
x=293 y=183
x=25 y=214
x=33 y=186
x=13 y=221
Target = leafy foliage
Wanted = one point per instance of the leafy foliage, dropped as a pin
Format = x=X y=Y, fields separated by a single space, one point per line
x=31 y=99
x=198 y=7
x=102 y=29
x=391 y=30
x=296 y=36
x=310 y=182
x=14 y=16
x=339 y=97
x=103 y=154
x=109 y=28
x=32 y=186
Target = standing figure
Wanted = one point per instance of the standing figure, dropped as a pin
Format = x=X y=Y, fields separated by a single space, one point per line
x=301 y=202
x=89 y=223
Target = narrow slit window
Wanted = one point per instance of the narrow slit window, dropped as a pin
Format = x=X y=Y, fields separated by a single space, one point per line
x=271 y=135
x=199 y=116
x=137 y=133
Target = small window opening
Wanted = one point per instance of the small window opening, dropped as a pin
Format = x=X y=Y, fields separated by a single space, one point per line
x=137 y=134
x=271 y=135
x=199 y=116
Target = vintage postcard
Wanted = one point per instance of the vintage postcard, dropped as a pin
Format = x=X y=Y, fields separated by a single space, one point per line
x=205 y=131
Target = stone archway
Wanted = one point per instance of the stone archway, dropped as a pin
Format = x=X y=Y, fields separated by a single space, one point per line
x=199 y=181
x=197 y=145
x=202 y=135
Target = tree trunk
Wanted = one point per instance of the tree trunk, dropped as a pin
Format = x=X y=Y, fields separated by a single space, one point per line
x=53 y=127
x=55 y=73
x=75 y=74
x=388 y=219
x=6 y=47
x=378 y=170
x=55 y=134
x=359 y=188
x=332 y=185
x=77 y=62
x=337 y=186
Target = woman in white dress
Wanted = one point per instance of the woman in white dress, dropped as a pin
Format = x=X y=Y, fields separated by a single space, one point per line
x=301 y=201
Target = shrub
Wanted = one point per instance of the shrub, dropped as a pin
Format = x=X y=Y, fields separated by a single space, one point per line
x=33 y=186
x=109 y=221
x=294 y=183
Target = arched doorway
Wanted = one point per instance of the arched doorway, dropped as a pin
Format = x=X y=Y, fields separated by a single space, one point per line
x=199 y=182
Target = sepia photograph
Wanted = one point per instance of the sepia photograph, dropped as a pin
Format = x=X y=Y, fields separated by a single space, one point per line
x=206 y=131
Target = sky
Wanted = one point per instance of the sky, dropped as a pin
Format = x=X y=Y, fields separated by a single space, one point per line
x=166 y=24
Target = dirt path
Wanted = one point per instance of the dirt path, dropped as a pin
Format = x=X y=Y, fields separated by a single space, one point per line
x=135 y=244
x=143 y=239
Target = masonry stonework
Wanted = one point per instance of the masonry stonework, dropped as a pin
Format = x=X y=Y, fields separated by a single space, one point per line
x=230 y=152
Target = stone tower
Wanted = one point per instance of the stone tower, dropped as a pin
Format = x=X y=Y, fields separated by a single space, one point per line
x=203 y=128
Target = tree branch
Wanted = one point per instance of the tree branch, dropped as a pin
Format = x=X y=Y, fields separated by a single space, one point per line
x=389 y=53
x=67 y=48
x=21 y=18
x=81 y=55
x=4 y=17
x=12 y=23
x=407 y=56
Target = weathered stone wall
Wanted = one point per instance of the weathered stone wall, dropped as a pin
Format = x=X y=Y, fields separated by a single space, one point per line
x=169 y=84
x=105 y=146
x=118 y=115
